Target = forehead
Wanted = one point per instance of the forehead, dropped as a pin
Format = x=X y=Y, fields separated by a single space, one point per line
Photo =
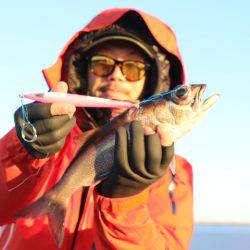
x=120 y=50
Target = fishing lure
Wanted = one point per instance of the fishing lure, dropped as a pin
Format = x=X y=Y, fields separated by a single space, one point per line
x=78 y=100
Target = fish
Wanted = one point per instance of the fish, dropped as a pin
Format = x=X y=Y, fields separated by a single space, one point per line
x=178 y=110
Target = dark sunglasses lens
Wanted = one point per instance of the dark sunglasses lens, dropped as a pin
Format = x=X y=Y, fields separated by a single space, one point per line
x=101 y=65
x=134 y=71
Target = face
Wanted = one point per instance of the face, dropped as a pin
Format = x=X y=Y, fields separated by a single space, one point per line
x=115 y=85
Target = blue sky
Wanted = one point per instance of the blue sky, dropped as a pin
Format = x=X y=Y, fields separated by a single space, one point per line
x=213 y=39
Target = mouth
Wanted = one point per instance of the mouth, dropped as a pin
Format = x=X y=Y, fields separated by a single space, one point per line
x=201 y=91
x=205 y=105
x=198 y=91
x=113 y=94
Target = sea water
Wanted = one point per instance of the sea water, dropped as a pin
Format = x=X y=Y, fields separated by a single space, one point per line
x=221 y=238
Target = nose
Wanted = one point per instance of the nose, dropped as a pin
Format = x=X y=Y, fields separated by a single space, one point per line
x=116 y=75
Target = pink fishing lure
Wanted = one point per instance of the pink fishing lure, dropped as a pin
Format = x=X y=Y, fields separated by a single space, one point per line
x=77 y=100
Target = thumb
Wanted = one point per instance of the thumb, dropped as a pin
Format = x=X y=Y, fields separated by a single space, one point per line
x=166 y=135
x=61 y=87
x=62 y=108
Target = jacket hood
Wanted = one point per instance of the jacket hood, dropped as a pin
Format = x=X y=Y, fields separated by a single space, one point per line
x=163 y=36
x=148 y=33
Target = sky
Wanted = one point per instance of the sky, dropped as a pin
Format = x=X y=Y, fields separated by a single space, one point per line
x=213 y=38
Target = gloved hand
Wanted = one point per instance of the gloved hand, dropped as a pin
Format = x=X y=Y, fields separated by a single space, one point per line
x=139 y=162
x=53 y=122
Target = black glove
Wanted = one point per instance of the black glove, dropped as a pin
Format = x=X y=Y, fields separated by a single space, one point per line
x=140 y=160
x=51 y=130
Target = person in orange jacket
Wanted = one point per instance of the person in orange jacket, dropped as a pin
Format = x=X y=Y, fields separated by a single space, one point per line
x=122 y=54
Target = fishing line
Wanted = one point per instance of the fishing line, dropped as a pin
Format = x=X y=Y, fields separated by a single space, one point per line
x=159 y=96
x=27 y=123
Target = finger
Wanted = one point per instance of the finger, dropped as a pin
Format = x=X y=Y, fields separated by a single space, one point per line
x=121 y=158
x=50 y=124
x=167 y=143
x=153 y=155
x=62 y=108
x=136 y=147
x=121 y=148
x=61 y=87
x=48 y=149
x=167 y=155
x=148 y=131
x=57 y=134
x=36 y=111
x=165 y=134
x=43 y=110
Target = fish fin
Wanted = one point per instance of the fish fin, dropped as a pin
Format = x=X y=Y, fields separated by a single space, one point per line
x=54 y=209
x=56 y=216
x=36 y=209
x=210 y=102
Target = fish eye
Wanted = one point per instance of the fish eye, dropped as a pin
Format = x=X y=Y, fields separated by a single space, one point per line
x=181 y=95
x=181 y=92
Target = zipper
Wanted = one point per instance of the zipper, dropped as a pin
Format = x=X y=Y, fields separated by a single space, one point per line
x=83 y=201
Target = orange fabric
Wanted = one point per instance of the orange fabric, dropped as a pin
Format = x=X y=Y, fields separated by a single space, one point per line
x=123 y=223
x=144 y=221
x=150 y=224
x=33 y=177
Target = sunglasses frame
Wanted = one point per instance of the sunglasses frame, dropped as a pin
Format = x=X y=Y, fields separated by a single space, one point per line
x=119 y=64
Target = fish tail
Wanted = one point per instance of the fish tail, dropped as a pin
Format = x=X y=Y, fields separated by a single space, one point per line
x=55 y=210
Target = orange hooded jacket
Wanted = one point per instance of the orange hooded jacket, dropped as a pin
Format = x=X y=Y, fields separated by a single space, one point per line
x=143 y=221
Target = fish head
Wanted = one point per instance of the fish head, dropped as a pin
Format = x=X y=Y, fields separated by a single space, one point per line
x=185 y=102
x=186 y=108
x=177 y=111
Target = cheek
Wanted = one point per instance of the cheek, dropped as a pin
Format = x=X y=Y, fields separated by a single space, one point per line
x=93 y=83
x=137 y=88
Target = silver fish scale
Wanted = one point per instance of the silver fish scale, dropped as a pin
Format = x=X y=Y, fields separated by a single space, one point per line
x=105 y=157
x=102 y=153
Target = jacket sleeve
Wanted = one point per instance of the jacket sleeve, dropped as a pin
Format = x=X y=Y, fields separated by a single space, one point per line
x=146 y=221
x=16 y=168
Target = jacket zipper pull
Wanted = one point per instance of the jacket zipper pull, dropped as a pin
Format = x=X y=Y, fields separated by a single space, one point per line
x=171 y=188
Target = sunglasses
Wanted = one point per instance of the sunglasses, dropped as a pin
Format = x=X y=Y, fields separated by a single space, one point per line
x=104 y=66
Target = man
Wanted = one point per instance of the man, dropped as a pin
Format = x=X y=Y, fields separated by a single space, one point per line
x=122 y=54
